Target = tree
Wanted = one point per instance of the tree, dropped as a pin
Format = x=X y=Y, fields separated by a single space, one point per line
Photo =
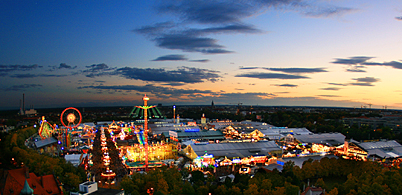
x=291 y=189
x=266 y=184
x=197 y=176
x=188 y=189
x=320 y=183
x=333 y=192
x=72 y=180
x=279 y=191
x=351 y=183
x=234 y=191
x=162 y=186
x=203 y=190
x=221 y=190
x=252 y=189
x=127 y=184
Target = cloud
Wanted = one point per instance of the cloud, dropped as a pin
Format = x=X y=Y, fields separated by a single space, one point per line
x=202 y=61
x=162 y=92
x=190 y=43
x=219 y=17
x=352 y=60
x=11 y=68
x=62 y=66
x=331 y=88
x=182 y=74
x=156 y=29
x=260 y=75
x=286 y=85
x=359 y=62
x=338 y=84
x=96 y=70
x=355 y=70
x=327 y=11
x=399 y=18
x=21 y=76
x=362 y=84
x=232 y=28
x=174 y=84
x=297 y=70
x=175 y=57
x=364 y=81
x=171 y=58
x=329 y=95
x=208 y=12
x=248 y=68
x=22 y=87
x=393 y=64
x=224 y=12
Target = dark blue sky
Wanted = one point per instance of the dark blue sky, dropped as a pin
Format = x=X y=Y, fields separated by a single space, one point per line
x=265 y=52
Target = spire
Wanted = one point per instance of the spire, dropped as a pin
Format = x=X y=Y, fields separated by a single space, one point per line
x=212 y=104
x=26 y=190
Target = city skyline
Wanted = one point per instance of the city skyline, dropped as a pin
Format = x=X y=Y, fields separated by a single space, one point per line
x=260 y=52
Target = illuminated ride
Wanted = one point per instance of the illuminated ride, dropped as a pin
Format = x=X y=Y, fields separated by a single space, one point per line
x=70 y=118
x=140 y=136
x=145 y=108
x=45 y=129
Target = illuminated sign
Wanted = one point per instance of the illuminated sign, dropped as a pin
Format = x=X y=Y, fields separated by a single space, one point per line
x=192 y=130
x=173 y=133
x=208 y=156
x=192 y=124
x=236 y=160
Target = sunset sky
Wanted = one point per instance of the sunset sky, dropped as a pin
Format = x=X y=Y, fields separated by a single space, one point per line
x=256 y=52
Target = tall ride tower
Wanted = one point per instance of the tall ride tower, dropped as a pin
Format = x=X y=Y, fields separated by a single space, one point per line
x=145 y=108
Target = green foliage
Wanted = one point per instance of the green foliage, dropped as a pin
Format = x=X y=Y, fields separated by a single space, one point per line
x=188 y=189
x=197 y=176
x=252 y=189
x=234 y=191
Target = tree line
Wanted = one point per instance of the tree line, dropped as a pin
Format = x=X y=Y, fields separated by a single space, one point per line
x=336 y=176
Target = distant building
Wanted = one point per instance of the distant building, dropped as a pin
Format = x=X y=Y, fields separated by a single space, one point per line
x=196 y=135
x=48 y=145
x=331 y=139
x=382 y=149
x=377 y=150
x=231 y=150
x=31 y=112
x=392 y=121
x=277 y=133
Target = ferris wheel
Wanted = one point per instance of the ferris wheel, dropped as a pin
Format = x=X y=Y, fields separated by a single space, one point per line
x=70 y=117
